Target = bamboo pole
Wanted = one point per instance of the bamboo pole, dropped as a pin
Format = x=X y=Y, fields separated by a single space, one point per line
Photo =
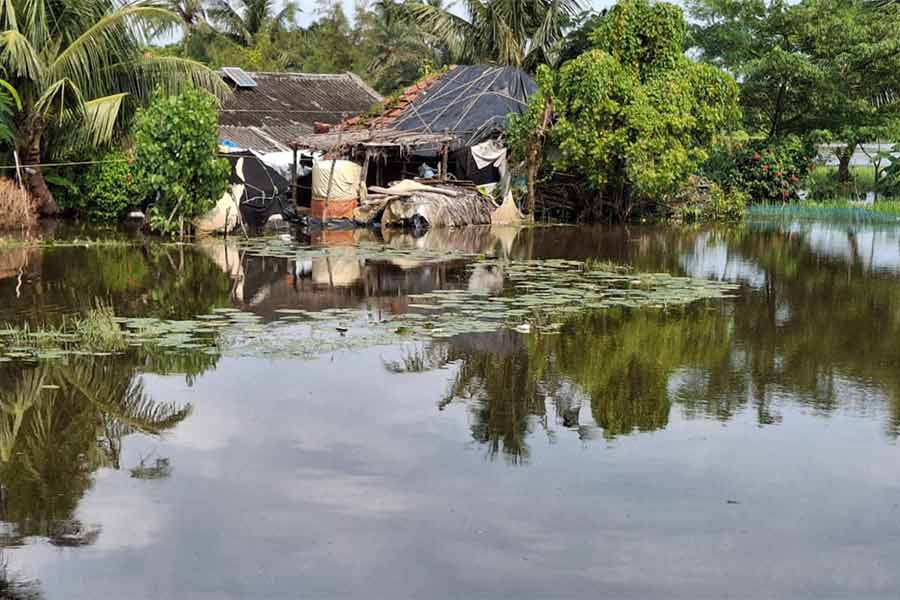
x=294 y=199
x=445 y=151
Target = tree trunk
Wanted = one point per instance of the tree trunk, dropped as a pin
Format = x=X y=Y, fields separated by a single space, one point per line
x=31 y=159
x=534 y=154
x=844 y=157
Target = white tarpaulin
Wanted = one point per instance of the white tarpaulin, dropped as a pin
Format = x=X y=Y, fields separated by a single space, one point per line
x=280 y=162
x=345 y=182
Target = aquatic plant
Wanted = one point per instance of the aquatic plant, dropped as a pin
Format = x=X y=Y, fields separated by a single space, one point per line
x=837 y=210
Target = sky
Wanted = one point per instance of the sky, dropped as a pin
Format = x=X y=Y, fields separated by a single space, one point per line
x=308 y=11
x=308 y=7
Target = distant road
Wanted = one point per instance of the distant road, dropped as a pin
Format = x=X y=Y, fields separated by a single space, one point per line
x=860 y=159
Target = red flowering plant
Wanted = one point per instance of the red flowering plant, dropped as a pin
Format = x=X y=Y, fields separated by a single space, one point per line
x=767 y=170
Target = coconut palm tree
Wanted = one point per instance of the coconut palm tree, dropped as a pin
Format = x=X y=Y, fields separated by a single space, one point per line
x=507 y=32
x=243 y=19
x=191 y=12
x=399 y=50
x=10 y=105
x=81 y=70
x=59 y=424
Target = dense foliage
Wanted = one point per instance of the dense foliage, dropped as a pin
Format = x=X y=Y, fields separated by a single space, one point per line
x=768 y=171
x=80 y=70
x=176 y=163
x=825 y=68
x=702 y=200
x=633 y=116
x=108 y=189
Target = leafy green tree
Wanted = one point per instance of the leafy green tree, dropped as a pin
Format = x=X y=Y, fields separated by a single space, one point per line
x=633 y=116
x=508 y=32
x=176 y=163
x=109 y=188
x=824 y=67
x=79 y=68
x=244 y=19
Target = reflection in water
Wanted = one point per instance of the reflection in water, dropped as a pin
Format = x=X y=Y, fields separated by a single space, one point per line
x=798 y=338
x=58 y=424
x=13 y=587
x=342 y=466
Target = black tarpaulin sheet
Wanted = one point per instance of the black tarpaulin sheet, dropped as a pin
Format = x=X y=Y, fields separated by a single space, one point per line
x=265 y=190
x=470 y=102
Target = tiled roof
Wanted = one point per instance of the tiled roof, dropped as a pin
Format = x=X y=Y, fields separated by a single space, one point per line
x=395 y=108
x=285 y=106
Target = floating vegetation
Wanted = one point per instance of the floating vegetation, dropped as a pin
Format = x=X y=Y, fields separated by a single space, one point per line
x=537 y=297
x=278 y=247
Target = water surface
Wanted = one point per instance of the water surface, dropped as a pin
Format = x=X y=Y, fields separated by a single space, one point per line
x=740 y=447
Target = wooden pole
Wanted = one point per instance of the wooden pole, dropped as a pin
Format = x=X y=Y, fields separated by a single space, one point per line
x=445 y=151
x=294 y=199
x=364 y=174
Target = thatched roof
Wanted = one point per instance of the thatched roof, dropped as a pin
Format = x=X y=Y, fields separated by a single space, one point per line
x=359 y=141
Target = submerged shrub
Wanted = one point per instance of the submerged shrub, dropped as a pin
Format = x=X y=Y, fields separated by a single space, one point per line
x=176 y=158
x=18 y=208
x=109 y=189
x=702 y=200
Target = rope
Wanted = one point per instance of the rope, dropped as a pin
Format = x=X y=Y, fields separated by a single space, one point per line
x=68 y=164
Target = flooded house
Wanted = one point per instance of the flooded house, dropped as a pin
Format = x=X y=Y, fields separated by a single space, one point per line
x=441 y=139
x=268 y=112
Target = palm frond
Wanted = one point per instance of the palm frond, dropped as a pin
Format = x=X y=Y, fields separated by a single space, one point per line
x=451 y=29
x=222 y=13
x=18 y=57
x=91 y=52
x=61 y=97
x=169 y=74
x=8 y=20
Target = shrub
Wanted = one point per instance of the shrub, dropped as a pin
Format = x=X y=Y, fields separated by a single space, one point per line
x=18 y=208
x=702 y=200
x=769 y=171
x=109 y=189
x=176 y=164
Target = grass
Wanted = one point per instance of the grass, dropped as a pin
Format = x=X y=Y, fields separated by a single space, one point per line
x=17 y=207
x=96 y=331
x=823 y=184
x=885 y=211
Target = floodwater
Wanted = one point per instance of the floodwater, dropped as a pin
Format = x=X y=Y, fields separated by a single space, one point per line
x=741 y=447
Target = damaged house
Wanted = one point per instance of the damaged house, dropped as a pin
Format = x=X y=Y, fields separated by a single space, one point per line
x=266 y=114
x=441 y=139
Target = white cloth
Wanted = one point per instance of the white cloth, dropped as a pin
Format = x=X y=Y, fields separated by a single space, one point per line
x=492 y=152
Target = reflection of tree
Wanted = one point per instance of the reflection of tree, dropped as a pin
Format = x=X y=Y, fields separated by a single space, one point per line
x=58 y=424
x=12 y=587
x=623 y=362
x=170 y=282
x=504 y=400
x=821 y=327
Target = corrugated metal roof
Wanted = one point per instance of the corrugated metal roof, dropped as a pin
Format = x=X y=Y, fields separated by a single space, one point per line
x=285 y=106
